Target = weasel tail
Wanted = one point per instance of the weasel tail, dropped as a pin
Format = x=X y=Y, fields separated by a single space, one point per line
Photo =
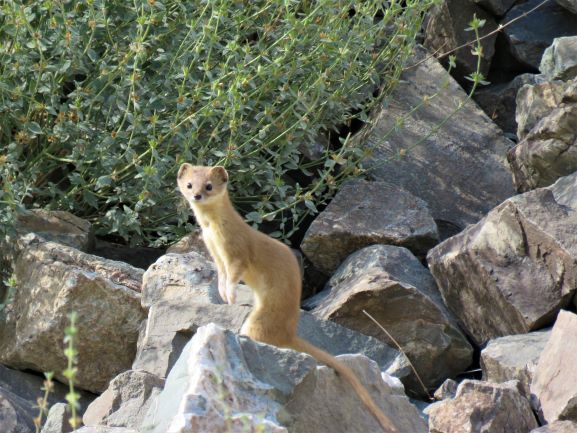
x=266 y=265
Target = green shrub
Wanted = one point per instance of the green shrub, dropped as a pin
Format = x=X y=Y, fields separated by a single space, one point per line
x=100 y=101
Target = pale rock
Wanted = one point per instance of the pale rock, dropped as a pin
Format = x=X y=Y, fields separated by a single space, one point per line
x=364 y=213
x=554 y=386
x=559 y=61
x=190 y=243
x=514 y=270
x=557 y=427
x=448 y=389
x=57 y=420
x=480 y=407
x=513 y=357
x=105 y=429
x=399 y=292
x=234 y=383
x=54 y=280
x=125 y=401
x=460 y=170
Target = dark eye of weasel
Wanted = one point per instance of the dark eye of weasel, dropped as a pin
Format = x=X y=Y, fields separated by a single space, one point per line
x=208 y=187
x=189 y=185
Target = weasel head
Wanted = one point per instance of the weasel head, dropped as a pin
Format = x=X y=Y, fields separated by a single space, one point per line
x=202 y=186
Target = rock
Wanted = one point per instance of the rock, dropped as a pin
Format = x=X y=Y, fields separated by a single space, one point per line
x=496 y=7
x=57 y=420
x=126 y=401
x=483 y=407
x=190 y=243
x=554 y=386
x=570 y=5
x=498 y=101
x=394 y=287
x=513 y=357
x=548 y=152
x=468 y=152
x=16 y=414
x=557 y=427
x=446 y=30
x=171 y=325
x=448 y=389
x=559 y=61
x=365 y=213
x=139 y=257
x=105 y=429
x=530 y=36
x=515 y=269
x=54 y=280
x=535 y=102
x=239 y=385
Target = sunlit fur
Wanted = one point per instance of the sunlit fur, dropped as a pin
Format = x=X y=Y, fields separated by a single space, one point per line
x=266 y=265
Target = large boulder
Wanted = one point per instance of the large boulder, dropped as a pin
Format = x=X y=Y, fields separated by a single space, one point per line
x=54 y=280
x=554 y=386
x=365 y=213
x=496 y=7
x=234 y=384
x=446 y=30
x=399 y=292
x=410 y=151
x=513 y=357
x=530 y=36
x=515 y=269
x=549 y=150
x=480 y=407
x=559 y=61
x=557 y=427
x=171 y=325
x=570 y=5
x=16 y=414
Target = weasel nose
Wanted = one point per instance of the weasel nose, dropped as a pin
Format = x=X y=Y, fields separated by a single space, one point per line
x=197 y=197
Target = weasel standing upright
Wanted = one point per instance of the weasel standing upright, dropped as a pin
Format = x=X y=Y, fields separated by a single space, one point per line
x=266 y=265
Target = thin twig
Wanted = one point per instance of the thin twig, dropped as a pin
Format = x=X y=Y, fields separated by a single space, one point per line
x=402 y=351
x=469 y=43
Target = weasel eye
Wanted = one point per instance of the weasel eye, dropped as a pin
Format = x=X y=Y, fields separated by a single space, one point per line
x=189 y=185
x=208 y=187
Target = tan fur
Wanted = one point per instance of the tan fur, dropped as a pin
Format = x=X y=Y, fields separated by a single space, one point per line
x=263 y=263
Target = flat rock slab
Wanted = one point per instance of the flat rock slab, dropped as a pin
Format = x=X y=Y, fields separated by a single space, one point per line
x=460 y=170
x=549 y=150
x=54 y=280
x=171 y=325
x=234 y=384
x=530 y=36
x=554 y=386
x=513 y=357
x=399 y=292
x=365 y=213
x=557 y=427
x=514 y=270
x=480 y=407
x=559 y=61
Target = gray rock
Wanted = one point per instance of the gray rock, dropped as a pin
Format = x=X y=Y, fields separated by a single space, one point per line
x=171 y=325
x=496 y=7
x=126 y=401
x=54 y=280
x=530 y=36
x=16 y=414
x=57 y=420
x=557 y=427
x=190 y=243
x=498 y=100
x=400 y=293
x=548 y=152
x=468 y=152
x=534 y=102
x=105 y=429
x=514 y=270
x=365 y=213
x=559 y=61
x=448 y=389
x=570 y=5
x=554 y=386
x=513 y=357
x=483 y=407
x=446 y=30
x=240 y=385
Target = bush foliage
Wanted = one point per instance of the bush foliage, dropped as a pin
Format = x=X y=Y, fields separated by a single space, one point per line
x=100 y=101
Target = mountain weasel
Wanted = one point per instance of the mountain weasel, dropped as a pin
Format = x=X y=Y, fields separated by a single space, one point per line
x=266 y=265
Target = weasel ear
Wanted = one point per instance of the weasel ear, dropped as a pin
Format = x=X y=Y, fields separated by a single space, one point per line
x=184 y=168
x=220 y=173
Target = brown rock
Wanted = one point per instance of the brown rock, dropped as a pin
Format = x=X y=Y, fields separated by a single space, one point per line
x=557 y=427
x=365 y=213
x=480 y=407
x=554 y=385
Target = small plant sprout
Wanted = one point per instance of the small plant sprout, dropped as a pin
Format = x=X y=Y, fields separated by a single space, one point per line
x=71 y=370
x=42 y=402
